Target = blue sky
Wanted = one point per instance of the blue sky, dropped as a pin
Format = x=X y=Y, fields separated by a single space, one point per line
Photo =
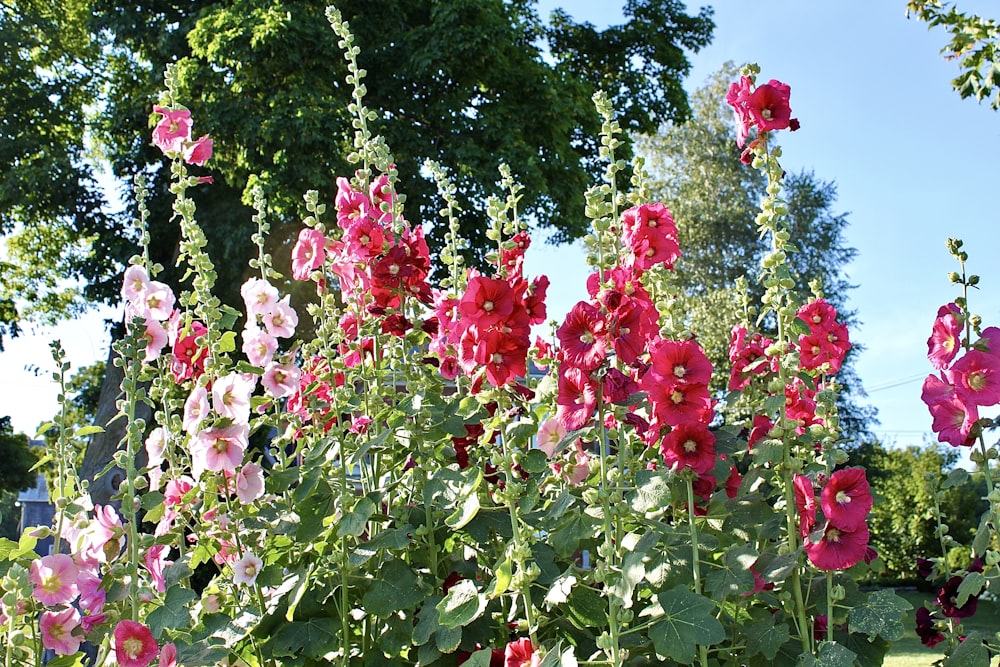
x=913 y=163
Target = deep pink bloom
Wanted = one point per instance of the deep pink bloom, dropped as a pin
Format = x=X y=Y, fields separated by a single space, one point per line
x=768 y=106
x=689 y=445
x=838 y=549
x=945 y=338
x=976 y=377
x=805 y=502
x=156 y=561
x=351 y=204
x=54 y=577
x=134 y=644
x=168 y=655
x=680 y=361
x=57 y=631
x=520 y=653
x=308 y=254
x=173 y=130
x=675 y=404
x=737 y=97
x=199 y=151
x=953 y=418
x=583 y=336
x=486 y=301
x=818 y=314
x=576 y=398
x=846 y=498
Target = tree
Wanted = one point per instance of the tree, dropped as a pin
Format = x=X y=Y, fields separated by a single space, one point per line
x=696 y=169
x=975 y=43
x=15 y=452
x=465 y=82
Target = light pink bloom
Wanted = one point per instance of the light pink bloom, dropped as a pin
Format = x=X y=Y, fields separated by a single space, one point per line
x=281 y=380
x=156 y=339
x=282 y=320
x=173 y=129
x=246 y=569
x=258 y=345
x=231 y=396
x=156 y=561
x=156 y=443
x=308 y=253
x=574 y=468
x=259 y=296
x=54 y=578
x=134 y=644
x=135 y=284
x=218 y=449
x=249 y=483
x=168 y=655
x=102 y=540
x=199 y=151
x=57 y=631
x=195 y=409
x=550 y=434
x=158 y=300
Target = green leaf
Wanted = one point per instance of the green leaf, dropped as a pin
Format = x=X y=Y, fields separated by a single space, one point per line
x=652 y=491
x=831 y=654
x=480 y=658
x=800 y=327
x=956 y=476
x=174 y=612
x=734 y=577
x=313 y=638
x=688 y=623
x=427 y=621
x=366 y=446
x=462 y=605
x=353 y=523
x=469 y=504
x=43 y=429
x=396 y=589
x=88 y=430
x=75 y=660
x=880 y=616
x=970 y=653
x=632 y=572
x=765 y=637
x=227 y=342
x=150 y=500
x=503 y=573
x=534 y=461
x=566 y=539
x=971 y=585
x=586 y=608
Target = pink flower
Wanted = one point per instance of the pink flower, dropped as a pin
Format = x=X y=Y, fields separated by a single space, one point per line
x=520 y=653
x=103 y=538
x=134 y=644
x=231 y=396
x=218 y=449
x=576 y=398
x=156 y=561
x=583 y=337
x=156 y=339
x=54 y=577
x=680 y=362
x=249 y=483
x=246 y=569
x=838 y=549
x=57 y=631
x=689 y=445
x=258 y=345
x=282 y=320
x=805 y=502
x=135 y=283
x=198 y=151
x=818 y=314
x=156 y=442
x=953 y=418
x=976 y=377
x=259 y=296
x=486 y=301
x=280 y=380
x=157 y=301
x=168 y=655
x=574 y=467
x=176 y=489
x=550 y=434
x=173 y=129
x=736 y=97
x=195 y=409
x=768 y=106
x=308 y=254
x=846 y=498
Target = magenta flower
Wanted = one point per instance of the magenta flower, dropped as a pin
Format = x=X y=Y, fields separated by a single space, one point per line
x=680 y=362
x=173 y=130
x=520 y=653
x=54 y=577
x=768 y=106
x=976 y=377
x=838 y=549
x=953 y=418
x=583 y=337
x=805 y=502
x=948 y=599
x=168 y=655
x=945 y=339
x=737 y=97
x=486 y=301
x=156 y=560
x=308 y=254
x=846 y=498
x=199 y=151
x=576 y=398
x=134 y=644
x=57 y=631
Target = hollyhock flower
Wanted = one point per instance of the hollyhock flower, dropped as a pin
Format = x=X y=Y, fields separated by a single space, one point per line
x=282 y=319
x=363 y=239
x=550 y=434
x=689 y=445
x=846 y=498
x=231 y=396
x=218 y=449
x=929 y=635
x=520 y=653
x=576 y=397
x=680 y=362
x=486 y=301
x=759 y=429
x=574 y=467
x=534 y=300
x=135 y=283
x=504 y=357
x=199 y=151
x=737 y=97
x=280 y=380
x=817 y=353
x=155 y=561
x=948 y=599
x=92 y=596
x=134 y=644
x=838 y=549
x=768 y=106
x=675 y=404
x=976 y=377
x=954 y=419
x=308 y=254
x=352 y=205
x=246 y=569
x=733 y=482
x=618 y=387
x=173 y=129
x=189 y=359
x=103 y=538
x=176 y=489
x=651 y=248
x=156 y=443
x=259 y=296
x=168 y=655
x=196 y=408
x=258 y=345
x=249 y=483
x=818 y=314
x=583 y=337
x=383 y=198
x=156 y=339
x=805 y=502
x=57 y=631
x=925 y=568
x=54 y=577
x=157 y=301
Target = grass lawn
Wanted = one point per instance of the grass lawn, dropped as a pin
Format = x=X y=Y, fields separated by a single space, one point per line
x=909 y=652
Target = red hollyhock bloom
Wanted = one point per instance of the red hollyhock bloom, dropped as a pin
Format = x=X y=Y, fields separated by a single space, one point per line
x=929 y=635
x=846 y=498
x=818 y=315
x=675 y=404
x=650 y=248
x=838 y=549
x=680 y=361
x=351 y=204
x=760 y=428
x=768 y=106
x=805 y=502
x=188 y=359
x=576 y=398
x=534 y=300
x=689 y=445
x=505 y=357
x=520 y=653
x=630 y=327
x=737 y=97
x=134 y=644
x=583 y=337
x=486 y=301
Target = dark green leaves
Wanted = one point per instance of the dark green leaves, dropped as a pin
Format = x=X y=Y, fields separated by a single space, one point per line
x=880 y=616
x=688 y=622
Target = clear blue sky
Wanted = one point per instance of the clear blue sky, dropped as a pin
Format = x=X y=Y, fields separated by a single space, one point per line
x=913 y=163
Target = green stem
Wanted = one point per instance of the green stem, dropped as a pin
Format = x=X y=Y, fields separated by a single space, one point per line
x=520 y=547
x=610 y=533
x=695 y=557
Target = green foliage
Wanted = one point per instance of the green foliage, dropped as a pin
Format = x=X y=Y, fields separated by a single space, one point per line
x=18 y=459
x=975 y=44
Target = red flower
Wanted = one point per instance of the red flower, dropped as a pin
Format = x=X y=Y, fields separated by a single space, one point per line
x=689 y=445
x=838 y=549
x=680 y=362
x=768 y=106
x=846 y=498
x=948 y=599
x=805 y=502
x=134 y=644
x=583 y=337
x=929 y=635
x=675 y=404
x=520 y=653
x=576 y=398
